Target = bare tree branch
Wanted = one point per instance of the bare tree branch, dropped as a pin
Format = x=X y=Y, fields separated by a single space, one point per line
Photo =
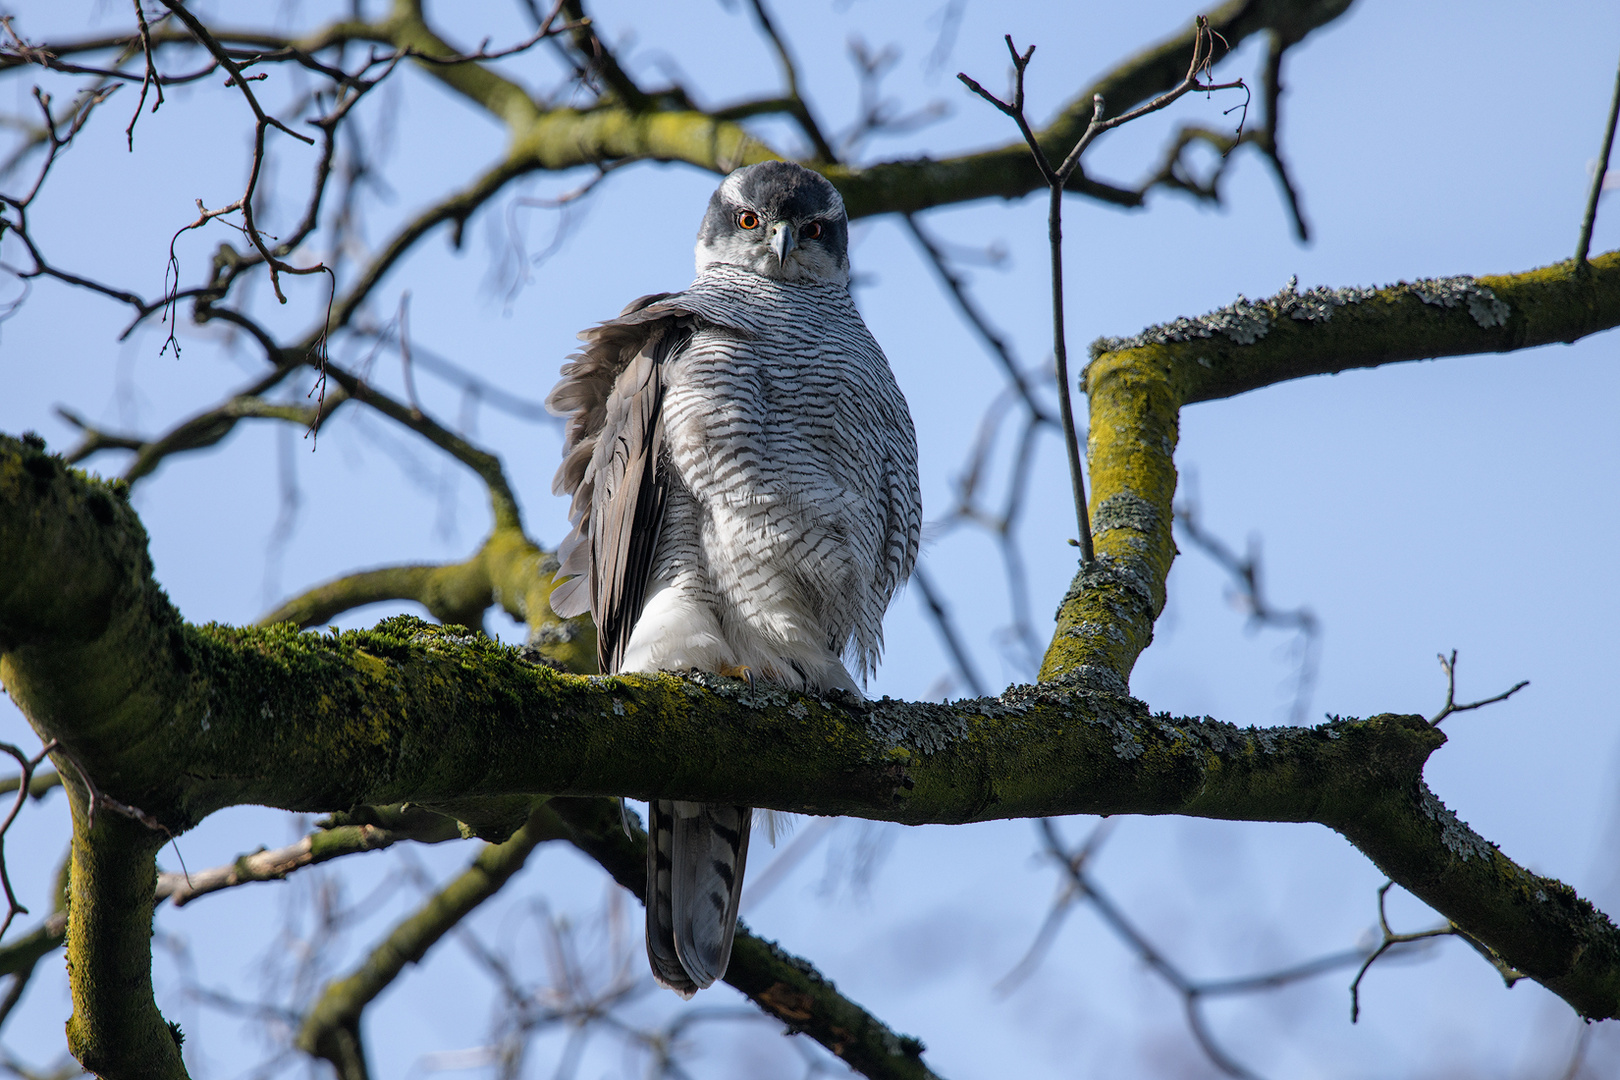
x=1056 y=178
x=797 y=106
x=1585 y=242
x=331 y=1030
x=1451 y=706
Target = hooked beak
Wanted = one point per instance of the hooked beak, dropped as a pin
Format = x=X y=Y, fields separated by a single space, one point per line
x=782 y=241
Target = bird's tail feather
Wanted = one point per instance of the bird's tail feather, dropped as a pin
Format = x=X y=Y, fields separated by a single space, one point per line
x=661 y=953
x=696 y=854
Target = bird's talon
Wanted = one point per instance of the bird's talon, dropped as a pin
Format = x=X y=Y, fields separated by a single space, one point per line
x=739 y=671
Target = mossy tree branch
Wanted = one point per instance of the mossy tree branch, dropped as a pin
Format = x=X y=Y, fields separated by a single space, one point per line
x=116 y=1029
x=1138 y=385
x=508 y=570
x=180 y=720
x=1324 y=331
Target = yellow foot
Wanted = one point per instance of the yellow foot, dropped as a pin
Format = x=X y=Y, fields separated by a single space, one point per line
x=739 y=671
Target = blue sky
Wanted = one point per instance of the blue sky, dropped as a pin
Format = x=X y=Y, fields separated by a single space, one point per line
x=1467 y=503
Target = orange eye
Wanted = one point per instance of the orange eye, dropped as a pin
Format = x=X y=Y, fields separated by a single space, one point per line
x=748 y=219
x=811 y=231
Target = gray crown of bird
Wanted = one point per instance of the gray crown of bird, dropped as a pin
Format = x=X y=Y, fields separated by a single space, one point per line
x=743 y=471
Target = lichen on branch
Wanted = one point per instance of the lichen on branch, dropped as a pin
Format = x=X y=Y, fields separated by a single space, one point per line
x=215 y=716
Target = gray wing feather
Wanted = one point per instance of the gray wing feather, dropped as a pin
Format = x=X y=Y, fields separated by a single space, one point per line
x=612 y=392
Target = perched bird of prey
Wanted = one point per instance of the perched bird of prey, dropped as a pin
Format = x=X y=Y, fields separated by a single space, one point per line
x=744 y=479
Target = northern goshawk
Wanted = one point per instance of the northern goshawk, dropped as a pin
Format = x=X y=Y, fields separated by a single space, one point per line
x=744 y=479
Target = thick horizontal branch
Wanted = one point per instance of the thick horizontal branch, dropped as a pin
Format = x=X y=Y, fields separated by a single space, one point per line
x=323 y=845
x=507 y=570
x=179 y=721
x=1255 y=343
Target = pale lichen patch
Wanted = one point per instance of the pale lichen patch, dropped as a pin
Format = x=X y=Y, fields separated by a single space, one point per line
x=1318 y=303
x=1243 y=321
x=1455 y=834
x=929 y=729
x=1125 y=510
x=1451 y=292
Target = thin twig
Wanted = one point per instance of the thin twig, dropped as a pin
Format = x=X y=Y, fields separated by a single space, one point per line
x=1079 y=886
x=969 y=309
x=1056 y=178
x=149 y=77
x=1391 y=939
x=1451 y=706
x=405 y=354
x=947 y=632
x=799 y=108
x=1585 y=243
x=98 y=800
x=27 y=765
x=1271 y=87
x=547 y=28
x=1245 y=574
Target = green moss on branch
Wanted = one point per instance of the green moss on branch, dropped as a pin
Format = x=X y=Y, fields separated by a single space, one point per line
x=507 y=570
x=182 y=720
x=1137 y=386
x=116 y=1030
x=1294 y=334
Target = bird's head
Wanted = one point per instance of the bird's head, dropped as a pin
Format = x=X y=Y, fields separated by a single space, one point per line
x=780 y=220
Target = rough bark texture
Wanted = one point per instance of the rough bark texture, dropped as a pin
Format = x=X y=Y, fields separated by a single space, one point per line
x=213 y=716
x=1138 y=385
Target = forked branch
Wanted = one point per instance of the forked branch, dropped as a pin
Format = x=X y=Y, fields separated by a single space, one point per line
x=1056 y=177
x=1449 y=666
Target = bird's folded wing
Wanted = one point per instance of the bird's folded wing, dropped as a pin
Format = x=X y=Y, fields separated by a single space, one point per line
x=612 y=393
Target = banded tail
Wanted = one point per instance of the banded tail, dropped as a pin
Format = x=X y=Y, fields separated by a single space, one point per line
x=696 y=853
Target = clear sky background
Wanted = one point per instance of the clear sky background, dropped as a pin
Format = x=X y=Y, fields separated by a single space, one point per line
x=1467 y=503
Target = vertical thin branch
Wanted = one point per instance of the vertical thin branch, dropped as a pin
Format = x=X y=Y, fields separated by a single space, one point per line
x=1060 y=353
x=947 y=633
x=790 y=74
x=1056 y=178
x=405 y=354
x=1585 y=243
x=150 y=80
